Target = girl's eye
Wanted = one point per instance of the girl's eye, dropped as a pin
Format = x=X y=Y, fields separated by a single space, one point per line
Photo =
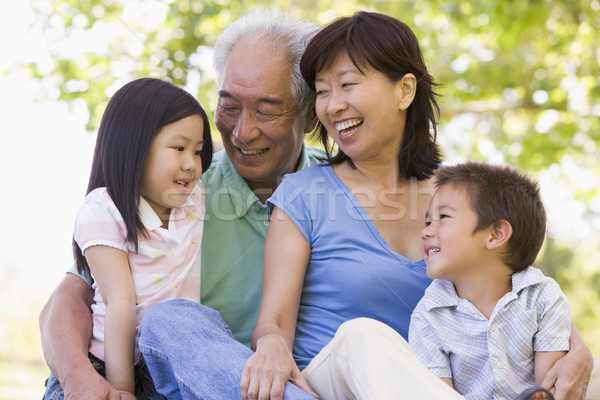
x=198 y=153
x=442 y=216
x=178 y=148
x=427 y=223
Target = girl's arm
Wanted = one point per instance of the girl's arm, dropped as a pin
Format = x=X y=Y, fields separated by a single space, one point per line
x=110 y=268
x=286 y=257
x=570 y=375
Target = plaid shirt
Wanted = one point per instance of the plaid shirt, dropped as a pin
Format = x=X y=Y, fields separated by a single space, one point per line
x=490 y=358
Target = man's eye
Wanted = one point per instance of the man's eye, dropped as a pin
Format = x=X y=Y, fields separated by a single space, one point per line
x=230 y=109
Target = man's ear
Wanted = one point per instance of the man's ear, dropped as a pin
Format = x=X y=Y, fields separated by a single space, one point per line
x=500 y=232
x=406 y=89
x=311 y=121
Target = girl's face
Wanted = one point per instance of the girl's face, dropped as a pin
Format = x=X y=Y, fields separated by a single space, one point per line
x=362 y=112
x=173 y=165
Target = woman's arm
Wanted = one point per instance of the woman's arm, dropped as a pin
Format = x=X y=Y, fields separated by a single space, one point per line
x=110 y=268
x=570 y=375
x=66 y=328
x=286 y=256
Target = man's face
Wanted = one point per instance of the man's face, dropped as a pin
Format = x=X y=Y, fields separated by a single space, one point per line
x=257 y=116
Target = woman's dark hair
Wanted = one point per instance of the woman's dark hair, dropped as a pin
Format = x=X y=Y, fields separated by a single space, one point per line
x=378 y=41
x=132 y=118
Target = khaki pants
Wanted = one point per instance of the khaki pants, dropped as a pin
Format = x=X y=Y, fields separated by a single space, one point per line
x=352 y=366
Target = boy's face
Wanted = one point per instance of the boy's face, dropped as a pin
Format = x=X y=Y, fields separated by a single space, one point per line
x=450 y=248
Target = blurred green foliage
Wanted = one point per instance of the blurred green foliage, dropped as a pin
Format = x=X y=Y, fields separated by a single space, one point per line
x=521 y=85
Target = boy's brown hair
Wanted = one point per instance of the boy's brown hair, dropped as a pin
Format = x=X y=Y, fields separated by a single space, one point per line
x=497 y=193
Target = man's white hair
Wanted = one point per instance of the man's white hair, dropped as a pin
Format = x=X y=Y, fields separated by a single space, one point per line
x=286 y=34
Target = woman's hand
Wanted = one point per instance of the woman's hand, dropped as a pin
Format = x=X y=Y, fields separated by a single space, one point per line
x=267 y=371
x=568 y=379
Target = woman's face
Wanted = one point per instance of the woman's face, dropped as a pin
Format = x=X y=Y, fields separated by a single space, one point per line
x=363 y=112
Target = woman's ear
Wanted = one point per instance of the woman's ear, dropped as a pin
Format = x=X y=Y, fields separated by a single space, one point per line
x=406 y=89
x=500 y=232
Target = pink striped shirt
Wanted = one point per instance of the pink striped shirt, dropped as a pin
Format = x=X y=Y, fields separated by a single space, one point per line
x=167 y=264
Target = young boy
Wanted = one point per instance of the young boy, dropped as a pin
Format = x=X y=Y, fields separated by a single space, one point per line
x=489 y=325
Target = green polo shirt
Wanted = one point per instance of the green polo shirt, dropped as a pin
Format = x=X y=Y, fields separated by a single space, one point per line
x=233 y=244
x=235 y=228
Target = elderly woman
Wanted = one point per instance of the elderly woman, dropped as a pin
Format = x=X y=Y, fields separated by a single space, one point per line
x=344 y=236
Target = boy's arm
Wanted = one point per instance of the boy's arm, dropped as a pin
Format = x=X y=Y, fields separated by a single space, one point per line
x=570 y=375
x=66 y=327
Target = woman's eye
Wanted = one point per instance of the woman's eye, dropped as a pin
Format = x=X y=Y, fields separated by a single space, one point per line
x=178 y=148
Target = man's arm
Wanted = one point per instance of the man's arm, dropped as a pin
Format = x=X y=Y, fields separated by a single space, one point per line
x=66 y=328
x=570 y=375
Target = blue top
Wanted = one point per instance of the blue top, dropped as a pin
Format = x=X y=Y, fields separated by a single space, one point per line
x=352 y=272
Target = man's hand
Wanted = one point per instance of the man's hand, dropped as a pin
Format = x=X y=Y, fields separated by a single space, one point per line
x=86 y=383
x=267 y=371
x=568 y=379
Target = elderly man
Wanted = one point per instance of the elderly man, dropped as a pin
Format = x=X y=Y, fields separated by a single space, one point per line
x=264 y=111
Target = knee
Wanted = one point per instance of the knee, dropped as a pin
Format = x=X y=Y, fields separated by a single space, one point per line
x=357 y=332
x=180 y=317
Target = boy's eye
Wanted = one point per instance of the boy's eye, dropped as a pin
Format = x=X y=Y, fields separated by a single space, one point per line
x=427 y=223
x=442 y=216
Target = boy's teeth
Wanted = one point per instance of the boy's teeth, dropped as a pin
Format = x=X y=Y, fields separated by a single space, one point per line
x=433 y=251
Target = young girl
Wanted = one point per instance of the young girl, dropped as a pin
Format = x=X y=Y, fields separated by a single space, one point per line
x=140 y=227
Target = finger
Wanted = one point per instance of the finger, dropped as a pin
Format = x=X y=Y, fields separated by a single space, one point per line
x=253 y=385
x=244 y=383
x=299 y=380
x=266 y=383
x=277 y=388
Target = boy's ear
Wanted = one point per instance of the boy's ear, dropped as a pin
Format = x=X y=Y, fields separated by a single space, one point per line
x=500 y=232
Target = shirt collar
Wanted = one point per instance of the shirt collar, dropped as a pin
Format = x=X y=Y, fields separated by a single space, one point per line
x=151 y=221
x=241 y=196
x=443 y=293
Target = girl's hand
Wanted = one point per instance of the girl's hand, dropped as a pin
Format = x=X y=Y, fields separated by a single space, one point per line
x=267 y=371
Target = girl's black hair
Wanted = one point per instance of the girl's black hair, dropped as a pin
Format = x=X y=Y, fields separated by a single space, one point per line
x=132 y=118
x=374 y=40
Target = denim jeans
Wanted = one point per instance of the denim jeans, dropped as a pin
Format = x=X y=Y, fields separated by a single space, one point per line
x=191 y=353
x=144 y=388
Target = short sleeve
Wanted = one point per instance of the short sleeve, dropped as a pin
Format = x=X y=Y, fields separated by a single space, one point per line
x=290 y=199
x=98 y=222
x=554 y=325
x=423 y=339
